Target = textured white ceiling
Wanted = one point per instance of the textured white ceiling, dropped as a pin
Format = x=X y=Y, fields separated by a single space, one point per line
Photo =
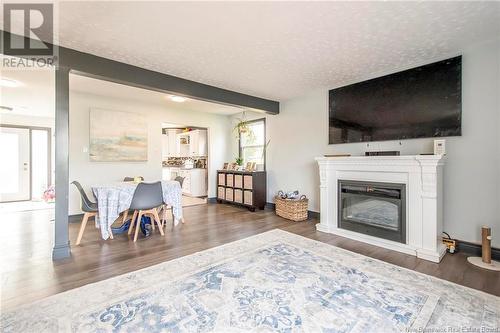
x=35 y=96
x=276 y=50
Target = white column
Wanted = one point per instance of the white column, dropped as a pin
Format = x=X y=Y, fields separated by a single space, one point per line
x=324 y=198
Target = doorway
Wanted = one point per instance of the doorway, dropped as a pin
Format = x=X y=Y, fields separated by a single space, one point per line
x=27 y=118
x=185 y=159
x=15 y=143
x=26 y=166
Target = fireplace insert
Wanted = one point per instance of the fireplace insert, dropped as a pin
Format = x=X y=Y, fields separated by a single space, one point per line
x=373 y=208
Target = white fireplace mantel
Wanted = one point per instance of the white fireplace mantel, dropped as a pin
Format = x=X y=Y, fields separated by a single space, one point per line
x=422 y=175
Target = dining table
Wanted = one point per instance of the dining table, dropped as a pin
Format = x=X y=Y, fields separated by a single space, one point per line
x=115 y=198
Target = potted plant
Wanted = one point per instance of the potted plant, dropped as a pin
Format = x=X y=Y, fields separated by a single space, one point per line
x=242 y=127
x=49 y=195
x=239 y=161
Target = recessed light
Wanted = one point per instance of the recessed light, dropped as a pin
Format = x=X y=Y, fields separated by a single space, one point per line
x=178 y=99
x=4 y=82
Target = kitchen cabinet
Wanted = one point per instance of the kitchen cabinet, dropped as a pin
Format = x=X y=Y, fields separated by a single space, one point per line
x=169 y=143
x=165 y=173
x=169 y=173
x=195 y=182
x=198 y=143
x=172 y=142
x=164 y=146
x=192 y=144
x=183 y=144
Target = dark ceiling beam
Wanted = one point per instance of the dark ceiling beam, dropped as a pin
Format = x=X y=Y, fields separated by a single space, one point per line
x=106 y=69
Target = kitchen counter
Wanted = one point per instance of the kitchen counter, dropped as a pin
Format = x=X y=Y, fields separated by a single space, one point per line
x=181 y=168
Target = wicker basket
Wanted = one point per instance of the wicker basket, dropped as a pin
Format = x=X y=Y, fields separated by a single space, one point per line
x=295 y=210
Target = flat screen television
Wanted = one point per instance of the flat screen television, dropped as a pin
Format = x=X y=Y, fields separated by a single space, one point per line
x=420 y=102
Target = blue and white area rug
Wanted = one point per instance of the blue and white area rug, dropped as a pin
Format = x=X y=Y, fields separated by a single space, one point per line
x=272 y=282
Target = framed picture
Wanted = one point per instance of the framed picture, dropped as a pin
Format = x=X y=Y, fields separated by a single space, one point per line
x=226 y=165
x=251 y=166
x=126 y=140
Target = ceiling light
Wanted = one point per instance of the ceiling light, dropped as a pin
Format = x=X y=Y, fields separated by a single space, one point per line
x=178 y=99
x=9 y=83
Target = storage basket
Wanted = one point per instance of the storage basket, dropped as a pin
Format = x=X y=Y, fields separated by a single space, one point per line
x=295 y=210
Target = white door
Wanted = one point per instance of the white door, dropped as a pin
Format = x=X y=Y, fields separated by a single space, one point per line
x=15 y=166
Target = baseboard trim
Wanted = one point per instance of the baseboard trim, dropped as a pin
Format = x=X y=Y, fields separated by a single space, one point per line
x=475 y=249
x=313 y=215
x=310 y=213
x=270 y=205
x=61 y=252
x=212 y=200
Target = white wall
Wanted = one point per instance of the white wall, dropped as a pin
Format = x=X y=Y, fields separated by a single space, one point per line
x=23 y=120
x=89 y=173
x=472 y=173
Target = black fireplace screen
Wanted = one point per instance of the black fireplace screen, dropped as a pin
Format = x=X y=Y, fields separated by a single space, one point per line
x=373 y=208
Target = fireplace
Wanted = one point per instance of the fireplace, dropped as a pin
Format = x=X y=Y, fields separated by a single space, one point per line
x=373 y=208
x=418 y=206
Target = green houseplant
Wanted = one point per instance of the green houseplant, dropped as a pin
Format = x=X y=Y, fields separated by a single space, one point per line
x=242 y=128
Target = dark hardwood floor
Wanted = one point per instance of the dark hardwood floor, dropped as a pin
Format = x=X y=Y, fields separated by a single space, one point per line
x=29 y=274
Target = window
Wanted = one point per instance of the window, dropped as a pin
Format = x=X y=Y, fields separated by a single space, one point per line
x=253 y=142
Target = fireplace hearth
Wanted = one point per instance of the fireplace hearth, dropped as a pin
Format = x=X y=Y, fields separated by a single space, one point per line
x=373 y=208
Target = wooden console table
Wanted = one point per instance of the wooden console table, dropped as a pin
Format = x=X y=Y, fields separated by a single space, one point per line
x=242 y=188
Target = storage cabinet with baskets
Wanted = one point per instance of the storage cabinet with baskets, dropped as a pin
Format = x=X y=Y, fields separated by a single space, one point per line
x=242 y=188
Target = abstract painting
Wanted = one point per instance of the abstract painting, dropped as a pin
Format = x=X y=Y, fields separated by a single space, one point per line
x=117 y=136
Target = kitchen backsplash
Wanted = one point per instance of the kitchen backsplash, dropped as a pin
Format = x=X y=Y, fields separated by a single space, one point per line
x=199 y=162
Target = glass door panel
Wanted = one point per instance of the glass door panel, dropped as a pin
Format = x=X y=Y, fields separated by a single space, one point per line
x=383 y=213
x=15 y=166
x=39 y=163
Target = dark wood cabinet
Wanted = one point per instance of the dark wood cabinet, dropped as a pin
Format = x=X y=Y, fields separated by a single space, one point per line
x=242 y=188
